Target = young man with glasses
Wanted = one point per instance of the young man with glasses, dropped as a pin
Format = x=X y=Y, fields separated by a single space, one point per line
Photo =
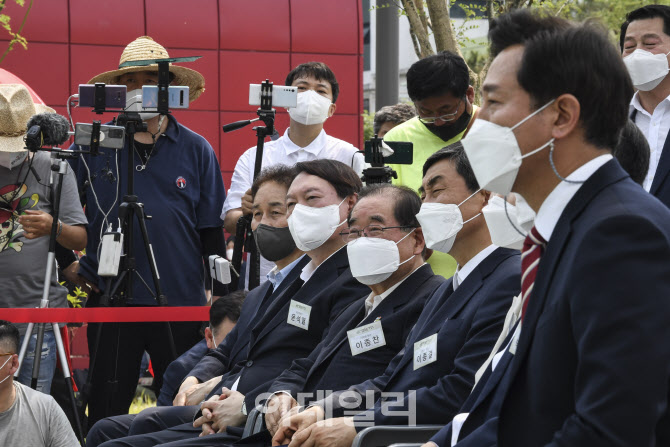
x=439 y=86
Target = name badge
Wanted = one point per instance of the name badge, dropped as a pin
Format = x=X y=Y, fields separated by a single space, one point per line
x=298 y=314
x=366 y=338
x=425 y=351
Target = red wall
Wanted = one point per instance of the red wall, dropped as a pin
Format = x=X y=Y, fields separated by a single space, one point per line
x=242 y=42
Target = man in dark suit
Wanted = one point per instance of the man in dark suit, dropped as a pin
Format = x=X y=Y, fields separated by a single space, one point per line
x=318 y=202
x=645 y=35
x=269 y=195
x=586 y=365
x=452 y=337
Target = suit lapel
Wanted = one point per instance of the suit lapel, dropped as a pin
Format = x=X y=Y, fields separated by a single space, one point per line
x=663 y=168
x=325 y=274
x=608 y=174
x=396 y=300
x=267 y=287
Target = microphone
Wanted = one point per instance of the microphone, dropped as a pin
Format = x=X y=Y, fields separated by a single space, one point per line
x=47 y=129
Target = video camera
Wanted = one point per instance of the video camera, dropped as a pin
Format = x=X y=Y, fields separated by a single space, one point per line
x=378 y=152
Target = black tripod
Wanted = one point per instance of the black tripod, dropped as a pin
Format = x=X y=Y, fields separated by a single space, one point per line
x=61 y=169
x=121 y=291
x=378 y=172
x=244 y=240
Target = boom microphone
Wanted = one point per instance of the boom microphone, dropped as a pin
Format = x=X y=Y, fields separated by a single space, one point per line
x=52 y=130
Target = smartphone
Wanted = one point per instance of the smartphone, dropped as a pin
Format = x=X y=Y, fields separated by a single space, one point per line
x=177 y=97
x=115 y=96
x=282 y=95
x=402 y=152
x=110 y=136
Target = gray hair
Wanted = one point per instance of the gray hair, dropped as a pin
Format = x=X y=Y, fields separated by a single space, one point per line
x=397 y=114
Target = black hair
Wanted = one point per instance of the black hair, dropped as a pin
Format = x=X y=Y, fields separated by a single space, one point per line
x=561 y=58
x=281 y=174
x=344 y=179
x=396 y=114
x=646 y=12
x=228 y=306
x=407 y=202
x=9 y=337
x=632 y=152
x=438 y=75
x=456 y=154
x=318 y=71
x=230 y=239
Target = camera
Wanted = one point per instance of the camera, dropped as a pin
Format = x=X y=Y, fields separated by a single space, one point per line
x=110 y=136
x=282 y=95
x=402 y=152
x=114 y=96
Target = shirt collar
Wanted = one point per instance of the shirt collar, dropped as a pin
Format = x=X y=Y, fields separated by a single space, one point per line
x=553 y=206
x=313 y=148
x=635 y=104
x=463 y=272
x=276 y=276
x=309 y=269
x=172 y=131
x=371 y=302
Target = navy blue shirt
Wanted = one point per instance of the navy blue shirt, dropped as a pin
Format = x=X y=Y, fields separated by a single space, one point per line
x=181 y=189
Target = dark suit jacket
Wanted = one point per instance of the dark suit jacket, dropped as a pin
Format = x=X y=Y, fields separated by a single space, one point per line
x=592 y=364
x=331 y=365
x=467 y=323
x=234 y=347
x=274 y=343
x=177 y=371
x=660 y=186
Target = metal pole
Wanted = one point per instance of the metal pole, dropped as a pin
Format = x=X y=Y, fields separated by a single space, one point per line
x=386 y=57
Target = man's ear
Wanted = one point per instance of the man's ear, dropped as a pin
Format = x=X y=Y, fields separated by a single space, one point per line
x=470 y=95
x=486 y=196
x=331 y=110
x=419 y=241
x=15 y=364
x=568 y=111
x=209 y=337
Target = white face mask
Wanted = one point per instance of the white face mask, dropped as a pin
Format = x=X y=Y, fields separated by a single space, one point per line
x=646 y=69
x=229 y=254
x=134 y=104
x=373 y=259
x=441 y=223
x=311 y=227
x=495 y=155
x=3 y=365
x=507 y=228
x=10 y=160
x=312 y=108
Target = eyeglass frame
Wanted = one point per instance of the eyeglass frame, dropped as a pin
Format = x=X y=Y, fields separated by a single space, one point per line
x=451 y=117
x=345 y=235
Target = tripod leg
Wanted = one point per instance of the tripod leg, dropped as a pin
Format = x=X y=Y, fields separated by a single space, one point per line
x=68 y=380
x=24 y=347
x=162 y=301
x=38 y=356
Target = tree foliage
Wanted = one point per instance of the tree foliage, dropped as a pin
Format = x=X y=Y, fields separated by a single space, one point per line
x=15 y=34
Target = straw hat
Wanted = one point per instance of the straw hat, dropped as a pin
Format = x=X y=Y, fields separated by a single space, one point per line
x=144 y=48
x=16 y=108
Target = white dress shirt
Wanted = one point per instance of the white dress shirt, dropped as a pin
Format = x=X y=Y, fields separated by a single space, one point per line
x=372 y=301
x=463 y=272
x=655 y=128
x=283 y=151
x=309 y=269
x=553 y=206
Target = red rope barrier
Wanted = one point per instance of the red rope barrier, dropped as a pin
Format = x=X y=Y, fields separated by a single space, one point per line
x=105 y=314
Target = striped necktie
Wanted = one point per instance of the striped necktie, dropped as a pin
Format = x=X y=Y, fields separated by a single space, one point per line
x=533 y=247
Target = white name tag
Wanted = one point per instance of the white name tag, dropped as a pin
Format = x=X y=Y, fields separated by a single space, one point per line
x=298 y=314
x=366 y=338
x=425 y=351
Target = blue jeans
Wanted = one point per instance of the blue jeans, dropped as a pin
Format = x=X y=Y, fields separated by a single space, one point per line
x=47 y=362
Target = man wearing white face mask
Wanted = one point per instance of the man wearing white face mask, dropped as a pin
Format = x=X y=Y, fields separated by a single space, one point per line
x=456 y=330
x=178 y=178
x=645 y=44
x=304 y=140
x=27 y=417
x=595 y=271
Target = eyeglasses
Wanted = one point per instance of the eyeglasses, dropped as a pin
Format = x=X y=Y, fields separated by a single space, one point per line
x=370 y=231
x=7 y=353
x=449 y=117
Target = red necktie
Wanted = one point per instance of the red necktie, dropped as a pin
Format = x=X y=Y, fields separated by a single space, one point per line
x=533 y=247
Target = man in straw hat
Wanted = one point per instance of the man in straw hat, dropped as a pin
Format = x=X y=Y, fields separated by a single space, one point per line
x=178 y=179
x=26 y=201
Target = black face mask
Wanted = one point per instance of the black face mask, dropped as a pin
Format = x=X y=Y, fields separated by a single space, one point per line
x=274 y=243
x=448 y=131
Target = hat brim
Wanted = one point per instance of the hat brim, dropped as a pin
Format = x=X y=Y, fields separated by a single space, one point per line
x=16 y=144
x=182 y=76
